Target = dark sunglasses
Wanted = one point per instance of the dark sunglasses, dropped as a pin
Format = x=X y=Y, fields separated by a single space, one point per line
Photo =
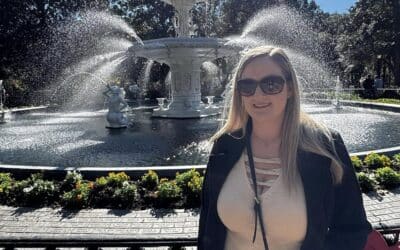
x=270 y=85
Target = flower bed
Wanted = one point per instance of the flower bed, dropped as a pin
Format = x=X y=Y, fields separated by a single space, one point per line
x=377 y=171
x=117 y=190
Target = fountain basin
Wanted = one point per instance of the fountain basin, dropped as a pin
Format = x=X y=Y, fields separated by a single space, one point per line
x=79 y=139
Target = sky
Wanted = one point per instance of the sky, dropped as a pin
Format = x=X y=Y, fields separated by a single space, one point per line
x=339 y=6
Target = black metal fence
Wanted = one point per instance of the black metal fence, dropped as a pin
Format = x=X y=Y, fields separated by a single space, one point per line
x=175 y=244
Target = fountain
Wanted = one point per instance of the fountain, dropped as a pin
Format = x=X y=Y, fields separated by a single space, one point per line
x=185 y=56
x=2 y=100
x=338 y=91
x=78 y=138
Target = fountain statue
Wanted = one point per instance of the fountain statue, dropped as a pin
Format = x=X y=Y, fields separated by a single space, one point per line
x=184 y=55
x=116 y=104
x=2 y=100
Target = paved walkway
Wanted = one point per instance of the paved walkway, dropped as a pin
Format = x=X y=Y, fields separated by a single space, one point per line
x=383 y=210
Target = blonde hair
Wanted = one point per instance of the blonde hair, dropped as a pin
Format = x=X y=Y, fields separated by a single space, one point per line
x=299 y=130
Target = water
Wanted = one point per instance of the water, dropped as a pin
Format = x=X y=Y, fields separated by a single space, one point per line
x=95 y=44
x=287 y=29
x=80 y=139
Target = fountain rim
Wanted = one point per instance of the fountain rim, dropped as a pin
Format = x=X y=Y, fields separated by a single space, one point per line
x=137 y=171
x=185 y=42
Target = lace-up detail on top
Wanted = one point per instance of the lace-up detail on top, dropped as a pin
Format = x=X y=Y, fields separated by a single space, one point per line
x=267 y=172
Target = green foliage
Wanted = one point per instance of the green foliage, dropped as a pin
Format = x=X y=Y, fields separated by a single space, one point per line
x=386 y=162
x=194 y=191
x=366 y=183
x=115 y=190
x=182 y=180
x=35 y=191
x=150 y=180
x=374 y=160
x=357 y=163
x=102 y=181
x=387 y=177
x=17 y=92
x=150 y=19
x=125 y=196
x=168 y=192
x=70 y=181
x=117 y=179
x=77 y=197
x=6 y=182
x=370 y=31
x=190 y=183
x=396 y=160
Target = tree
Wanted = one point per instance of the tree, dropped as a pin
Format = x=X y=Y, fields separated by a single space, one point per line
x=149 y=18
x=369 y=40
x=27 y=28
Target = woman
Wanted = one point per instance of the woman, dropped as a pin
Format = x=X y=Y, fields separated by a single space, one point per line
x=272 y=163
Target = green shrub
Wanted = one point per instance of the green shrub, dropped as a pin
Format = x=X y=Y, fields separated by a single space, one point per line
x=102 y=181
x=396 y=160
x=125 y=196
x=182 y=180
x=150 y=180
x=168 y=192
x=70 y=181
x=357 y=163
x=374 y=161
x=78 y=197
x=194 y=191
x=113 y=191
x=35 y=191
x=366 y=183
x=6 y=182
x=386 y=162
x=117 y=179
x=387 y=177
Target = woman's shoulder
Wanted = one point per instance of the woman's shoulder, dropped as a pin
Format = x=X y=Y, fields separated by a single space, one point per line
x=228 y=141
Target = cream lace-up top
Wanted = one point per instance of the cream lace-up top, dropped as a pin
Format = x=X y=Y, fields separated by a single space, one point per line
x=285 y=216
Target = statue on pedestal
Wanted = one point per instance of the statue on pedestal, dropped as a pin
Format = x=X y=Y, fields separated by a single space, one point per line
x=116 y=104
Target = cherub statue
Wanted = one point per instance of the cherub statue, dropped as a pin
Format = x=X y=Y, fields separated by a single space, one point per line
x=116 y=104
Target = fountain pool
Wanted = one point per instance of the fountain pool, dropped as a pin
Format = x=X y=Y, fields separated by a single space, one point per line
x=78 y=139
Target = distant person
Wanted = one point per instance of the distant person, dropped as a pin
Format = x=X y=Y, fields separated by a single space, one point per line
x=378 y=85
x=368 y=85
x=2 y=94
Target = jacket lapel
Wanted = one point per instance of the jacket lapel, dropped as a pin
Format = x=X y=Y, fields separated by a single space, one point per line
x=314 y=172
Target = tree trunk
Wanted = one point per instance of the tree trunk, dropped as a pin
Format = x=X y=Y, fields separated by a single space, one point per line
x=396 y=51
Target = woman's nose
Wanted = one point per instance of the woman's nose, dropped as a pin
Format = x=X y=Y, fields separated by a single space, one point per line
x=259 y=91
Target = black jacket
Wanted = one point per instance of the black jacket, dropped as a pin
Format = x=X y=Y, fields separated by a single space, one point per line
x=336 y=218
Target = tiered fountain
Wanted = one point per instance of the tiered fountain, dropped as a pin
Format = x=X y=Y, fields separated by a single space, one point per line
x=184 y=55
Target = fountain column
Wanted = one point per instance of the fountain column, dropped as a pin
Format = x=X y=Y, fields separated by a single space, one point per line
x=185 y=84
x=185 y=89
